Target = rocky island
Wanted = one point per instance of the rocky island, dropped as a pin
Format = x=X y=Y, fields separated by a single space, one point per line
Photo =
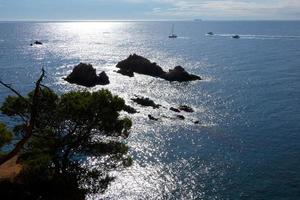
x=85 y=75
x=138 y=64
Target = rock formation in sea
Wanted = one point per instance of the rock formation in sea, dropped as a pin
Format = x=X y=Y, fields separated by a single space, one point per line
x=145 y=102
x=175 y=109
x=180 y=117
x=186 y=108
x=36 y=43
x=141 y=65
x=85 y=75
x=129 y=109
x=152 y=118
x=126 y=72
x=179 y=74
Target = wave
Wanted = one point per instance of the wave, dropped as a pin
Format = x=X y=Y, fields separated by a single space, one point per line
x=261 y=37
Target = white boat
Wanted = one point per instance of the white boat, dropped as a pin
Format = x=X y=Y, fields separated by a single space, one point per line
x=172 y=35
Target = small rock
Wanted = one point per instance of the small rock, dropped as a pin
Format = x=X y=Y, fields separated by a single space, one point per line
x=36 y=43
x=152 y=118
x=196 y=122
x=129 y=109
x=145 y=102
x=180 y=117
x=175 y=109
x=186 y=108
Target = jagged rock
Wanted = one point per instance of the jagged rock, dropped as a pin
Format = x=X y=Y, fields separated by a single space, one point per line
x=180 y=117
x=129 y=109
x=126 y=72
x=186 y=108
x=85 y=74
x=103 y=79
x=152 y=118
x=145 y=102
x=141 y=65
x=175 y=109
x=179 y=74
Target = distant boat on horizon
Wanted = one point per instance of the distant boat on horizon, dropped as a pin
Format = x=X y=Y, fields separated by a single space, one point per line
x=172 y=35
x=236 y=37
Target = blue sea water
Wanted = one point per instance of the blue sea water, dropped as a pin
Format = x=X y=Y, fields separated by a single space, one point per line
x=247 y=144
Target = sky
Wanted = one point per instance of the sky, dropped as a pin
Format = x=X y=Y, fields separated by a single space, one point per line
x=149 y=9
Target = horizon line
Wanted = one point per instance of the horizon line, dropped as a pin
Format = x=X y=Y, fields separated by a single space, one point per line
x=141 y=20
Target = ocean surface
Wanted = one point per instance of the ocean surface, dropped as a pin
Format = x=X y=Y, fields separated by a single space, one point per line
x=247 y=144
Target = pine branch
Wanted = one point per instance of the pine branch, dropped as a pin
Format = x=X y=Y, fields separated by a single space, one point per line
x=30 y=126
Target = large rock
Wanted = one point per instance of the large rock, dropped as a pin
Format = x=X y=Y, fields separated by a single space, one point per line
x=179 y=74
x=85 y=74
x=141 y=65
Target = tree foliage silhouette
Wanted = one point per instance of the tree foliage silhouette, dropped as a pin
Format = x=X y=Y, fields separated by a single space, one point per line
x=71 y=144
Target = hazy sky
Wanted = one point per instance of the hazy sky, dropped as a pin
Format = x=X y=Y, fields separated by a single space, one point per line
x=148 y=9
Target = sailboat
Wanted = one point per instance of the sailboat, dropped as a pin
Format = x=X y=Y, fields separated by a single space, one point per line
x=173 y=35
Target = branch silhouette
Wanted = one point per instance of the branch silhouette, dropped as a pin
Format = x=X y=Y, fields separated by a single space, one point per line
x=30 y=124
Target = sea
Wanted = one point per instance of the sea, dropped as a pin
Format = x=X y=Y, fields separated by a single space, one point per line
x=247 y=142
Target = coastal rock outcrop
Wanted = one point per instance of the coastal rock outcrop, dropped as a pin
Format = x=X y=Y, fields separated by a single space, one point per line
x=84 y=74
x=179 y=74
x=145 y=102
x=138 y=64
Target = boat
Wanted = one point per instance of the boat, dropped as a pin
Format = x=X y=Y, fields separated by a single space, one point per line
x=172 y=35
x=236 y=36
x=210 y=33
